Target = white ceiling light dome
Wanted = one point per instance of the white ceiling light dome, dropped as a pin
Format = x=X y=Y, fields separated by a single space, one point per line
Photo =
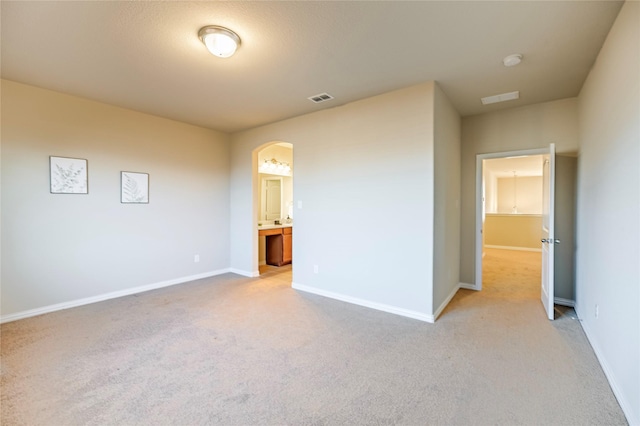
x=512 y=60
x=220 y=41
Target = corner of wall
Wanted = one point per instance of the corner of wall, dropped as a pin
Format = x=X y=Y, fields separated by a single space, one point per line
x=446 y=241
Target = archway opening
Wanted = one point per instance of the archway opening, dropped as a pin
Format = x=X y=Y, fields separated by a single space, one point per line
x=273 y=206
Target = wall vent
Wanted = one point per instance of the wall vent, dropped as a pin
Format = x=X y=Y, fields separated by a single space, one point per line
x=320 y=98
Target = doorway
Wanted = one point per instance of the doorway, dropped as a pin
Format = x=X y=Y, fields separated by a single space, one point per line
x=273 y=198
x=512 y=220
x=506 y=202
x=557 y=234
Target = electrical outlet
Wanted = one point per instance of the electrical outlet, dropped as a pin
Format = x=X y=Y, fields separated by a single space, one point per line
x=196 y=258
x=315 y=269
x=597 y=311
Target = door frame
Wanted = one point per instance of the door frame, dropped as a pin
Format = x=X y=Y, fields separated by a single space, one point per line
x=479 y=202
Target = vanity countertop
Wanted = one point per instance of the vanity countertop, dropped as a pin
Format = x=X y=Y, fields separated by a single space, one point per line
x=286 y=225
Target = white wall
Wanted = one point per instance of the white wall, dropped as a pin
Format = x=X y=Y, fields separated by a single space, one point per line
x=61 y=248
x=608 y=232
x=529 y=127
x=446 y=243
x=364 y=175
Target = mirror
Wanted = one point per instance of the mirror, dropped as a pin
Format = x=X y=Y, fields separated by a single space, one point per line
x=275 y=172
x=271 y=208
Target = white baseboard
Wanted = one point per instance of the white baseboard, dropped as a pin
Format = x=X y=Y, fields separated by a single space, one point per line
x=564 y=302
x=446 y=302
x=245 y=273
x=102 y=297
x=627 y=407
x=366 y=303
x=539 y=250
x=468 y=286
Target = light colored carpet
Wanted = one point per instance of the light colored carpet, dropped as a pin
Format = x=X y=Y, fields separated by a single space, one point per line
x=237 y=351
x=511 y=274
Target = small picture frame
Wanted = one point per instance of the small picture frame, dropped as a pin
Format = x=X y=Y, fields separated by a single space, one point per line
x=134 y=188
x=68 y=175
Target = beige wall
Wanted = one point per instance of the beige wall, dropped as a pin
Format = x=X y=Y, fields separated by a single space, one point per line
x=62 y=248
x=516 y=231
x=524 y=192
x=529 y=127
x=348 y=203
x=608 y=231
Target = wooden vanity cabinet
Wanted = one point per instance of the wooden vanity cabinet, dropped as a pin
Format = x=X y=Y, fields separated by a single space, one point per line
x=278 y=245
x=287 y=238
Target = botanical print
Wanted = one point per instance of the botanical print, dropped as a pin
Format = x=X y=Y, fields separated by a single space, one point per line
x=68 y=175
x=135 y=187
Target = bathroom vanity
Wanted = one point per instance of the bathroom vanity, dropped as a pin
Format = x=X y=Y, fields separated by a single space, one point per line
x=278 y=240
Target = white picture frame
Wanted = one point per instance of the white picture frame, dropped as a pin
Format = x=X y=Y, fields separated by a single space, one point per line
x=134 y=188
x=68 y=175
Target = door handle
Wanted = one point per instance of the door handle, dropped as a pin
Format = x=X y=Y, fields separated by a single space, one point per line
x=550 y=240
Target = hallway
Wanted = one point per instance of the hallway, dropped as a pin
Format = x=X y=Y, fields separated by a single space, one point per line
x=511 y=274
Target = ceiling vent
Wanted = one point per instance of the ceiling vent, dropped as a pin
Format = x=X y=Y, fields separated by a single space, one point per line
x=320 y=98
x=500 y=98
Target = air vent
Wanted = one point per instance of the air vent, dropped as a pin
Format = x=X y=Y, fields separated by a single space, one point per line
x=320 y=98
x=500 y=98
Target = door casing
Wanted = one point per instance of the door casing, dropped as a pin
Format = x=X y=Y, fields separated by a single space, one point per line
x=477 y=285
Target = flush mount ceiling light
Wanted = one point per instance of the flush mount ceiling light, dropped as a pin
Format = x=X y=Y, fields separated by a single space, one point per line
x=500 y=98
x=220 y=41
x=512 y=60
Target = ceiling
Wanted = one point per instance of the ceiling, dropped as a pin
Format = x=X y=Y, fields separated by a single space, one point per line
x=146 y=56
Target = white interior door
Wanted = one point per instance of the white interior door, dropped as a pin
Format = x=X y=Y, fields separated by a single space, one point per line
x=548 y=237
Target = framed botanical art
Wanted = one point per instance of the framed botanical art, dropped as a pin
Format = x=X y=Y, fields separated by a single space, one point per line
x=134 y=188
x=68 y=175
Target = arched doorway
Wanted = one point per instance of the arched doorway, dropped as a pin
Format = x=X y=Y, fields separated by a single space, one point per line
x=273 y=205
